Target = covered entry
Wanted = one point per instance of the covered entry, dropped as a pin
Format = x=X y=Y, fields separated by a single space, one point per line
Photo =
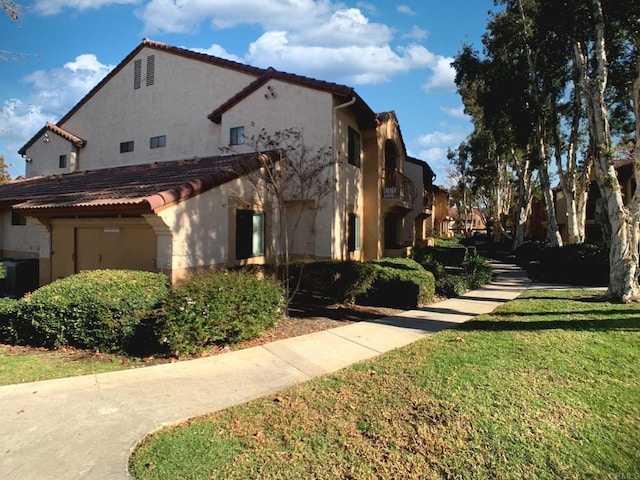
x=91 y=244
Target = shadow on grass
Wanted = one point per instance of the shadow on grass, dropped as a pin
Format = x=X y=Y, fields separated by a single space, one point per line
x=619 y=324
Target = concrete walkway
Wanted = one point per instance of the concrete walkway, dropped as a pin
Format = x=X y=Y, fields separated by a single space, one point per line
x=84 y=427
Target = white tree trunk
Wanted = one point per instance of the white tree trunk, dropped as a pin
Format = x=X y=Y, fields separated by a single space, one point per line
x=623 y=253
x=553 y=232
x=524 y=200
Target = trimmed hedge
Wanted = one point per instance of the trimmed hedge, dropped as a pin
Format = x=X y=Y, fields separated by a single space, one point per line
x=400 y=282
x=393 y=282
x=98 y=309
x=219 y=307
x=576 y=264
x=340 y=281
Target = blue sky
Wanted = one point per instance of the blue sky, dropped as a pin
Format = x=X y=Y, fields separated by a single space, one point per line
x=395 y=54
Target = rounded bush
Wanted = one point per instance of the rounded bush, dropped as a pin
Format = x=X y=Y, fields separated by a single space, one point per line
x=98 y=309
x=400 y=282
x=216 y=308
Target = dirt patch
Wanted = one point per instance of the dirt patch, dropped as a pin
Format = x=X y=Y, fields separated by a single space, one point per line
x=306 y=316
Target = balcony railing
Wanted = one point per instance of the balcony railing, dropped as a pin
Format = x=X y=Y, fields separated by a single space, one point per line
x=398 y=187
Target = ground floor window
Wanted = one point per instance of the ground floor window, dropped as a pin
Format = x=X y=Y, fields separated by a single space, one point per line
x=250 y=229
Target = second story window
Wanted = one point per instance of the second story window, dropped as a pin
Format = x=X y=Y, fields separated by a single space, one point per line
x=236 y=136
x=62 y=161
x=353 y=148
x=126 y=147
x=158 y=142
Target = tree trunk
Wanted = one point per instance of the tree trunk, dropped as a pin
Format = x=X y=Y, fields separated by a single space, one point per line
x=524 y=201
x=548 y=202
x=623 y=251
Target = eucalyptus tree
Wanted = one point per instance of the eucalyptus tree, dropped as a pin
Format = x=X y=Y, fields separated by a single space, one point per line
x=491 y=87
x=612 y=43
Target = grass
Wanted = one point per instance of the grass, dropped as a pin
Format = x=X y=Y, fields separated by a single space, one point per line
x=546 y=387
x=19 y=365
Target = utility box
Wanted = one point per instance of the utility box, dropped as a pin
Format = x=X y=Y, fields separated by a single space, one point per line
x=21 y=276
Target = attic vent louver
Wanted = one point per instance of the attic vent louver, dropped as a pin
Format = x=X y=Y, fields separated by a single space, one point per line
x=137 y=74
x=151 y=69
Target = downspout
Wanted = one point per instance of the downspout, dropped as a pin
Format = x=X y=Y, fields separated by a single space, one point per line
x=335 y=153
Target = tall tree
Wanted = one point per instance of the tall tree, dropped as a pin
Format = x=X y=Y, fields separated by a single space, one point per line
x=592 y=60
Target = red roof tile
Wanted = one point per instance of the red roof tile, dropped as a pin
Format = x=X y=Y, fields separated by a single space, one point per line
x=134 y=189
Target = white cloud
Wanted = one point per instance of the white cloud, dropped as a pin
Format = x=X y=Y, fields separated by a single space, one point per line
x=416 y=33
x=344 y=27
x=442 y=139
x=351 y=64
x=443 y=76
x=405 y=9
x=171 y=16
x=61 y=88
x=53 y=7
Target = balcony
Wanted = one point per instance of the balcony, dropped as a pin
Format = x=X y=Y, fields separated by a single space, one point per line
x=398 y=191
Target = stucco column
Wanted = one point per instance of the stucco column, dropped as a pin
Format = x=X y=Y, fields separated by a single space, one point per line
x=164 y=244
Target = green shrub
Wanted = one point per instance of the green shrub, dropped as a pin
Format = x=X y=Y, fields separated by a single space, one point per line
x=98 y=309
x=400 y=282
x=340 y=281
x=216 y=308
x=8 y=312
x=456 y=269
x=577 y=264
x=451 y=285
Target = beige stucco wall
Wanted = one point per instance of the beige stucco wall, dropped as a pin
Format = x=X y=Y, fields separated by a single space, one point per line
x=414 y=173
x=18 y=241
x=44 y=155
x=176 y=105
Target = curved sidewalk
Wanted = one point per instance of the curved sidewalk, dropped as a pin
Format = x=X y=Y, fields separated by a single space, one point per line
x=84 y=427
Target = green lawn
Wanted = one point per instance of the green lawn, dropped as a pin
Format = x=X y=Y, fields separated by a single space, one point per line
x=548 y=386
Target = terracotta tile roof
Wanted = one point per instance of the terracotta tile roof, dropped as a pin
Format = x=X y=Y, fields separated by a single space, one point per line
x=52 y=127
x=136 y=189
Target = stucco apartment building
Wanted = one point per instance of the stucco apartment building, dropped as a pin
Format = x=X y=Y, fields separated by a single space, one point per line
x=149 y=171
